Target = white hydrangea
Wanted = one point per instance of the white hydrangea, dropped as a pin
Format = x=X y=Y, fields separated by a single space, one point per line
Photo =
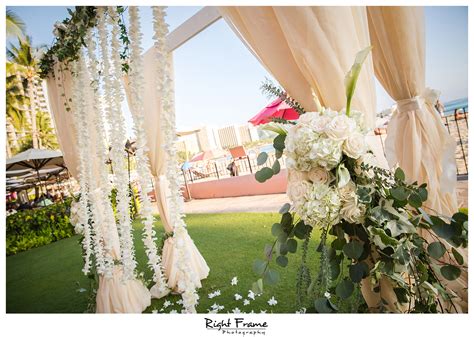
x=310 y=144
x=320 y=205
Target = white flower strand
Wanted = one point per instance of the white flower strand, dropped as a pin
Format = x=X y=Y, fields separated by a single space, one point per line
x=104 y=213
x=176 y=203
x=113 y=95
x=88 y=134
x=83 y=226
x=142 y=160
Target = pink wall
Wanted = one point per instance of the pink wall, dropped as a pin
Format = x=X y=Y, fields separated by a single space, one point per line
x=237 y=186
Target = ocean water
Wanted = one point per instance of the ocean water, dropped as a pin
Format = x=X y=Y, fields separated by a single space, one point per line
x=451 y=106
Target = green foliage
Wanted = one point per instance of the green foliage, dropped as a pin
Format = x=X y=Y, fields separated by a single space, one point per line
x=269 y=88
x=71 y=38
x=34 y=228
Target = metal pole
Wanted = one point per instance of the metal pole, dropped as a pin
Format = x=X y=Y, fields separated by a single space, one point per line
x=217 y=171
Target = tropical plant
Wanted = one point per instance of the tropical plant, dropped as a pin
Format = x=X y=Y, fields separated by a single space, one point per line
x=25 y=59
x=16 y=114
x=15 y=26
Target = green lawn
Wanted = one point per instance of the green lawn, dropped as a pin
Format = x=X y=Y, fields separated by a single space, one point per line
x=45 y=279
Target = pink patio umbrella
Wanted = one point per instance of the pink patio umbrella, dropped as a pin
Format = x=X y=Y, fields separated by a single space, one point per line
x=207 y=155
x=276 y=109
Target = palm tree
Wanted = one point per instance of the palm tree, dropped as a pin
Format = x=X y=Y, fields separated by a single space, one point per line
x=16 y=114
x=25 y=57
x=15 y=26
x=46 y=135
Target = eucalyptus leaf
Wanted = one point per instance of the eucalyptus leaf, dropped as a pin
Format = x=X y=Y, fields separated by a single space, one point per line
x=264 y=174
x=353 y=249
x=399 y=174
x=282 y=261
x=322 y=306
x=271 y=277
x=285 y=208
x=399 y=193
x=450 y=272
x=262 y=158
x=276 y=229
x=358 y=271
x=276 y=167
x=292 y=245
x=436 y=249
x=259 y=266
x=415 y=200
x=344 y=289
x=457 y=256
x=279 y=142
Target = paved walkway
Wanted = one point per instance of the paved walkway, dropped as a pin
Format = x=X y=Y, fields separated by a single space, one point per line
x=269 y=202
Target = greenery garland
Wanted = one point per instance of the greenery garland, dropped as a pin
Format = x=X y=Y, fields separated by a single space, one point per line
x=70 y=38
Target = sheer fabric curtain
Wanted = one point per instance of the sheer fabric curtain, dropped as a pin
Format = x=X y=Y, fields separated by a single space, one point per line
x=156 y=154
x=308 y=48
x=417 y=138
x=113 y=295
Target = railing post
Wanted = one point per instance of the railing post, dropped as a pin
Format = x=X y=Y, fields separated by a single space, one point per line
x=217 y=171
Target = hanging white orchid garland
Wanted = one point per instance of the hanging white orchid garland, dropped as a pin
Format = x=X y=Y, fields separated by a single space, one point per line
x=175 y=201
x=83 y=213
x=136 y=83
x=117 y=135
x=102 y=207
x=90 y=213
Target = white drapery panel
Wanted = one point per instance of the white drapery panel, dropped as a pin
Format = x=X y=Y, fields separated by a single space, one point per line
x=417 y=139
x=308 y=48
x=156 y=154
x=113 y=295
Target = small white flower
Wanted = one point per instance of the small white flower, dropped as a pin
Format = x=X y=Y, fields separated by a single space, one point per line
x=246 y=302
x=166 y=304
x=180 y=302
x=263 y=311
x=272 y=301
x=252 y=312
x=301 y=311
x=214 y=294
x=327 y=295
x=154 y=311
x=236 y=311
x=173 y=312
x=216 y=307
x=81 y=290
x=237 y=297
x=234 y=281
x=251 y=295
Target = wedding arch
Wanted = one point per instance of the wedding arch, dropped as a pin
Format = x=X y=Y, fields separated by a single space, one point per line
x=313 y=60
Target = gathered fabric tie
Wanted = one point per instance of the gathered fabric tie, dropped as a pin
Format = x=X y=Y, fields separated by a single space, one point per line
x=428 y=96
x=425 y=104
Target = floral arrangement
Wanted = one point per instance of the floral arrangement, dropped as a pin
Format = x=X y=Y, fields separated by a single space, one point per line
x=375 y=235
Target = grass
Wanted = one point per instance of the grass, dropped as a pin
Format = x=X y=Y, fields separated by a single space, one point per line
x=47 y=279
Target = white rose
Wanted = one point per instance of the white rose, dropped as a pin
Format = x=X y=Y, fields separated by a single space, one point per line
x=295 y=176
x=308 y=117
x=297 y=190
x=353 y=211
x=355 y=146
x=348 y=191
x=340 y=127
x=319 y=124
x=319 y=175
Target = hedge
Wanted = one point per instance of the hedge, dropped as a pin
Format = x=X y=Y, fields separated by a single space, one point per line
x=38 y=227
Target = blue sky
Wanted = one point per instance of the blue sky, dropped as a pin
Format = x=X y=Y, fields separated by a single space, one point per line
x=217 y=79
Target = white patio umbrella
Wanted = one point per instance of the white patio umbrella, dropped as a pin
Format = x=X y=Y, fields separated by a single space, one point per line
x=35 y=159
